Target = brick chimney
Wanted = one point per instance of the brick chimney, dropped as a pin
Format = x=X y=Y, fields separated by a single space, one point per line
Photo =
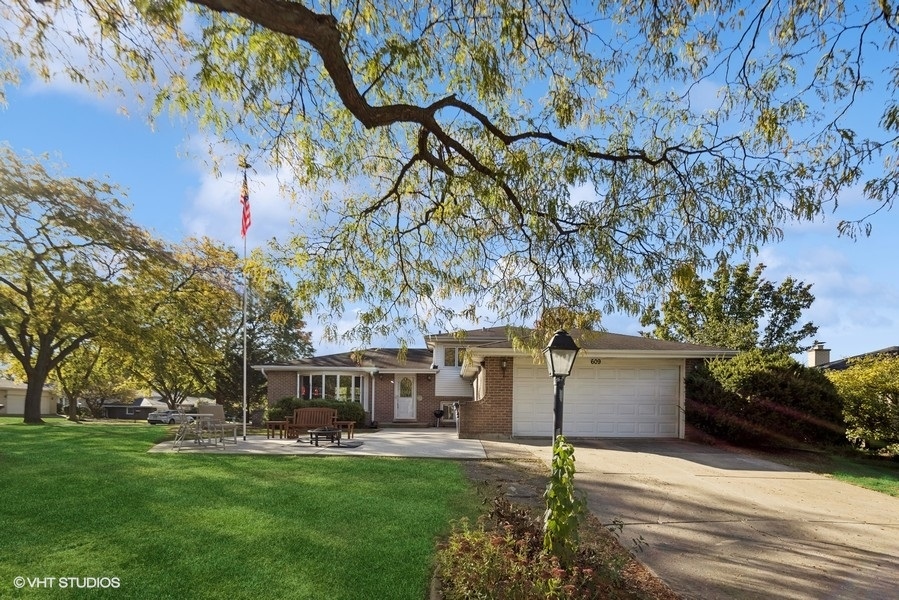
x=818 y=355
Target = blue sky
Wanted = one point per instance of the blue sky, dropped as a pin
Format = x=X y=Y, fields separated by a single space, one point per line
x=174 y=193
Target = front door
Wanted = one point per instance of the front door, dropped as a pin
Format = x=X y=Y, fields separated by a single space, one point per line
x=404 y=398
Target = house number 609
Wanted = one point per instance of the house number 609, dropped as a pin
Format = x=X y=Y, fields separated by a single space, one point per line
x=595 y=361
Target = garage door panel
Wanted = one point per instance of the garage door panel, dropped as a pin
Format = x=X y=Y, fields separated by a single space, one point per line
x=626 y=410
x=667 y=430
x=605 y=429
x=648 y=410
x=668 y=410
x=647 y=428
x=607 y=401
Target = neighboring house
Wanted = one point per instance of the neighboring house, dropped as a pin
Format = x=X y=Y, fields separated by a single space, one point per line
x=12 y=399
x=141 y=407
x=819 y=356
x=621 y=385
x=136 y=410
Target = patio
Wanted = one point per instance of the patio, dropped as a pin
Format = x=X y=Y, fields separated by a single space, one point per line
x=412 y=443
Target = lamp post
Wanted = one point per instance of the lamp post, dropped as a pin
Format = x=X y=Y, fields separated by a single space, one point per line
x=560 y=355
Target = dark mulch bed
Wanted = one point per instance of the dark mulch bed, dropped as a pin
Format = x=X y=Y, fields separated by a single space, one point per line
x=523 y=482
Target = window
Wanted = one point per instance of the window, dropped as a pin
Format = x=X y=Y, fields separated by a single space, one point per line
x=453 y=357
x=349 y=388
x=325 y=386
x=330 y=387
x=406 y=387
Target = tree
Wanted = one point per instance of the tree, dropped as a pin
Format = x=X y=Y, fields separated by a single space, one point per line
x=92 y=374
x=512 y=156
x=275 y=333
x=736 y=308
x=65 y=244
x=870 y=390
x=186 y=316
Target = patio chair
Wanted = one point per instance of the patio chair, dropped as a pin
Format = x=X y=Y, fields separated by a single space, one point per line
x=218 y=425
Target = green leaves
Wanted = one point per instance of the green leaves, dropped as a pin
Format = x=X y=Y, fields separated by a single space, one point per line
x=67 y=250
x=564 y=509
x=870 y=390
x=736 y=308
x=512 y=156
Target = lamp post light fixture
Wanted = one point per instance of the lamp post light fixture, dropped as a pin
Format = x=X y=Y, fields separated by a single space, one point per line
x=560 y=355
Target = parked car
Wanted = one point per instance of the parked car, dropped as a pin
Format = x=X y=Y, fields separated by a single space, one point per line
x=167 y=417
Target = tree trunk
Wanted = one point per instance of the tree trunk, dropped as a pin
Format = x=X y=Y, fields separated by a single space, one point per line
x=33 y=399
x=73 y=410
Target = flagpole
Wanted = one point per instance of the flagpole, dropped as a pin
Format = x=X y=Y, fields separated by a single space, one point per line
x=244 y=226
x=245 y=286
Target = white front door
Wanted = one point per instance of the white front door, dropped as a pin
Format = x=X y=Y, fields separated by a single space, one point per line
x=404 y=398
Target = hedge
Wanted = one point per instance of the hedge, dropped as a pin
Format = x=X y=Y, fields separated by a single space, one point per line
x=346 y=411
x=764 y=398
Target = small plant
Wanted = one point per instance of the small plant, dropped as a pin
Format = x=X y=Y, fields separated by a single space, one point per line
x=564 y=509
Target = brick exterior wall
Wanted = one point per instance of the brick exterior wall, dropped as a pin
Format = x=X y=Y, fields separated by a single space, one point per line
x=385 y=390
x=493 y=414
x=424 y=411
x=281 y=384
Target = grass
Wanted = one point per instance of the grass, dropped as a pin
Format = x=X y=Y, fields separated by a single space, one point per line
x=87 y=500
x=874 y=473
x=877 y=473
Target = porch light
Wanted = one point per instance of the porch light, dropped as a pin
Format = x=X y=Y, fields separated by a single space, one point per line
x=560 y=355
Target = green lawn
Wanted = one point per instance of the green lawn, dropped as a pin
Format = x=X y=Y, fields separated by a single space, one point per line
x=86 y=500
x=880 y=474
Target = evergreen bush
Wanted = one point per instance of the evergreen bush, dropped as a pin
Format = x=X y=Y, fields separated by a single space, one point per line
x=764 y=398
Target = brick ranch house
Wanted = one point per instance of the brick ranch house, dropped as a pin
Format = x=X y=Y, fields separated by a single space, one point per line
x=620 y=386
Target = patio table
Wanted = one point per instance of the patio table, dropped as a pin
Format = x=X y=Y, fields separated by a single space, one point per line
x=272 y=426
x=348 y=425
x=332 y=433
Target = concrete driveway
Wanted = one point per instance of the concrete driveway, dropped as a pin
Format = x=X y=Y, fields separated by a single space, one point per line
x=720 y=525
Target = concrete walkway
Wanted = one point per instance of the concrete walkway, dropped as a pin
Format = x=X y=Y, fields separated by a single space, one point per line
x=721 y=525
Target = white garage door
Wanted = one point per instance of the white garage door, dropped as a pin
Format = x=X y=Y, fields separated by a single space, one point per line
x=612 y=399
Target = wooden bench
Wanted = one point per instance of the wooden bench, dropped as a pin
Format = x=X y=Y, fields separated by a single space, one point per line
x=305 y=419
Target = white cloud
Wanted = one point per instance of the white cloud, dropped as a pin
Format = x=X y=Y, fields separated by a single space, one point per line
x=215 y=209
x=854 y=286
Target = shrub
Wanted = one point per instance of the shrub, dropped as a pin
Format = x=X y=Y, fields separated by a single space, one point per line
x=869 y=388
x=346 y=411
x=764 y=398
x=503 y=558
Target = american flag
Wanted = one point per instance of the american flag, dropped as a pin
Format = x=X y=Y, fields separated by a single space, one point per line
x=245 y=203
